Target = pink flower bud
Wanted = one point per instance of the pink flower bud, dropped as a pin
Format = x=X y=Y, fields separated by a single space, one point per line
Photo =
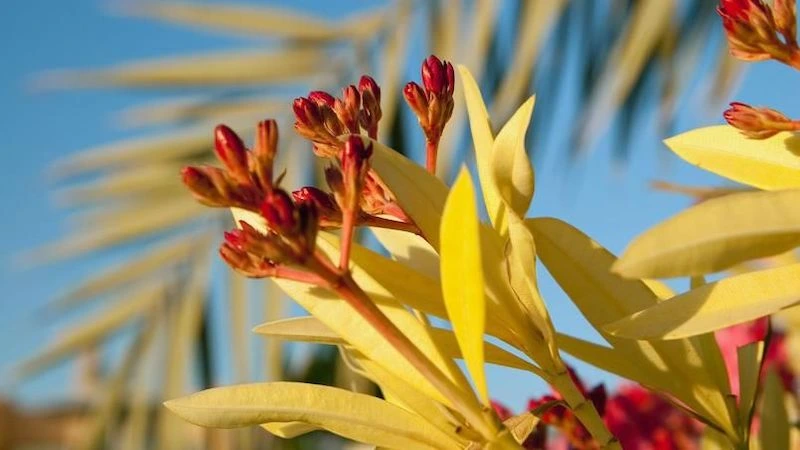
x=264 y=151
x=368 y=84
x=278 y=209
x=202 y=185
x=321 y=98
x=232 y=152
x=416 y=99
x=758 y=123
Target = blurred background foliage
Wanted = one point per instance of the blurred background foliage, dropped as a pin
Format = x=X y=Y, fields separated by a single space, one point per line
x=634 y=59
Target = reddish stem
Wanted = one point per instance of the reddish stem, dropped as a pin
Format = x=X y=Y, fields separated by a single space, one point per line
x=380 y=222
x=348 y=227
x=431 y=151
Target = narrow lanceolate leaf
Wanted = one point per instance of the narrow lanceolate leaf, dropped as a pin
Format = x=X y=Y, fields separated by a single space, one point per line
x=716 y=235
x=511 y=168
x=775 y=426
x=483 y=141
x=310 y=329
x=462 y=277
x=714 y=306
x=409 y=249
x=229 y=68
x=750 y=357
x=421 y=194
x=768 y=164
x=289 y=430
x=359 y=417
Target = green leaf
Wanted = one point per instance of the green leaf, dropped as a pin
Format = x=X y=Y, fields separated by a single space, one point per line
x=462 y=277
x=715 y=235
x=359 y=417
x=769 y=164
x=715 y=306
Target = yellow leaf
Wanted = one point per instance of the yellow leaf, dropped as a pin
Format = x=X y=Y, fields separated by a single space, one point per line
x=511 y=168
x=359 y=417
x=310 y=329
x=203 y=108
x=775 y=424
x=521 y=426
x=483 y=141
x=581 y=267
x=769 y=164
x=419 y=193
x=750 y=358
x=409 y=249
x=289 y=430
x=345 y=322
x=462 y=277
x=714 y=306
x=715 y=235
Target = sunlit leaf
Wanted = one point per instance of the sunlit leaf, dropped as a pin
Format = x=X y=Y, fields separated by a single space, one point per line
x=769 y=164
x=359 y=417
x=716 y=235
x=463 y=295
x=310 y=329
x=289 y=430
x=750 y=358
x=714 y=306
x=775 y=424
x=511 y=169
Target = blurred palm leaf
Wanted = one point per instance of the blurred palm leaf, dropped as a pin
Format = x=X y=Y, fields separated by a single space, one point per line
x=619 y=48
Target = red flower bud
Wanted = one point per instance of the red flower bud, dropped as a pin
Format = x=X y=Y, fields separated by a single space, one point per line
x=322 y=98
x=264 y=151
x=438 y=77
x=279 y=211
x=368 y=85
x=785 y=14
x=324 y=202
x=371 y=110
x=758 y=123
x=201 y=183
x=416 y=99
x=306 y=112
x=232 y=152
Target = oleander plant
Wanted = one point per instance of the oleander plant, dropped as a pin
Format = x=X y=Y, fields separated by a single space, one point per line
x=708 y=368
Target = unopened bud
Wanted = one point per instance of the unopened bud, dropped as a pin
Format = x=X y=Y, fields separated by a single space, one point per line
x=371 y=105
x=752 y=30
x=438 y=77
x=279 y=211
x=785 y=14
x=201 y=183
x=321 y=98
x=324 y=202
x=243 y=262
x=355 y=165
x=416 y=99
x=306 y=113
x=348 y=108
x=232 y=152
x=264 y=151
x=758 y=123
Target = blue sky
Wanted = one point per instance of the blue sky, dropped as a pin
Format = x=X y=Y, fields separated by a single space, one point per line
x=611 y=203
